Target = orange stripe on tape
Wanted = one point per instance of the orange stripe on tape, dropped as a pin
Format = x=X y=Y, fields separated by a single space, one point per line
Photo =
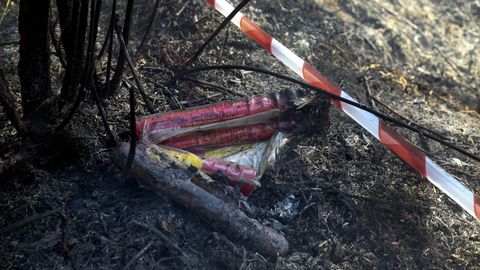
x=476 y=205
x=256 y=33
x=315 y=78
x=405 y=150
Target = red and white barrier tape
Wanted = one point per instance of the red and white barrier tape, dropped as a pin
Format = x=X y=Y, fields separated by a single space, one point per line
x=395 y=142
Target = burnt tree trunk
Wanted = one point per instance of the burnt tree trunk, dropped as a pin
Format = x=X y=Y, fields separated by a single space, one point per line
x=34 y=64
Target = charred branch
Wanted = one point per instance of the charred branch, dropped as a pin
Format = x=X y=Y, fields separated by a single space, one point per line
x=121 y=61
x=73 y=21
x=151 y=23
x=59 y=51
x=124 y=50
x=7 y=101
x=168 y=180
x=110 y=47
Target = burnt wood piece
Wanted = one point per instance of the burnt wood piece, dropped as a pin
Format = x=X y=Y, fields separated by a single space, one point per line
x=167 y=179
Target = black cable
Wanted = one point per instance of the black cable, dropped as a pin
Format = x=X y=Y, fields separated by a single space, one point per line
x=217 y=31
x=327 y=94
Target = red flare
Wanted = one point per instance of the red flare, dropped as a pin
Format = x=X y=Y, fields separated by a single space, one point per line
x=251 y=133
x=209 y=114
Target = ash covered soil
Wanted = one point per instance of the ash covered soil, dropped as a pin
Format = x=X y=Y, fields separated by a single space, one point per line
x=341 y=198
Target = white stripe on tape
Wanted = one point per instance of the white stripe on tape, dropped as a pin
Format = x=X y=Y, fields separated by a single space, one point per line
x=367 y=120
x=450 y=186
x=225 y=8
x=287 y=57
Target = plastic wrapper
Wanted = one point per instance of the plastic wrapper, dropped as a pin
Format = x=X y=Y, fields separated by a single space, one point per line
x=237 y=174
x=251 y=155
x=221 y=152
x=239 y=140
x=261 y=156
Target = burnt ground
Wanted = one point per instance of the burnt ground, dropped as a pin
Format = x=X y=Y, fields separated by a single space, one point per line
x=340 y=198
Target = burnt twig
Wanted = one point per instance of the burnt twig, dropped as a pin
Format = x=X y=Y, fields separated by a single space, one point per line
x=65 y=250
x=119 y=69
x=153 y=18
x=7 y=101
x=133 y=135
x=161 y=235
x=75 y=62
x=139 y=84
x=408 y=120
x=110 y=48
x=368 y=92
x=101 y=112
x=29 y=220
x=138 y=255
x=171 y=96
x=214 y=85
x=73 y=23
x=91 y=69
x=107 y=40
x=57 y=44
x=8 y=43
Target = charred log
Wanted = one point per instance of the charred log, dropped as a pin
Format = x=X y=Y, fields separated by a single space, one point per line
x=169 y=180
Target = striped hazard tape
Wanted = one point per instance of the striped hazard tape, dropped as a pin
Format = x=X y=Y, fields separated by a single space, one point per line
x=395 y=142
